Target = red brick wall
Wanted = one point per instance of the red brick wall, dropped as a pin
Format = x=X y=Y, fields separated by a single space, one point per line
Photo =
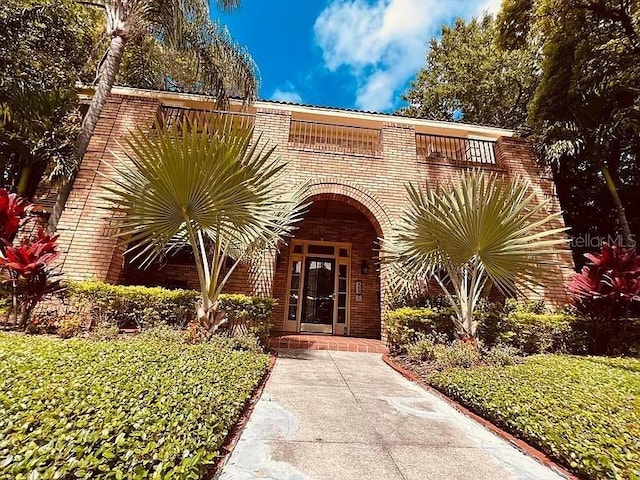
x=517 y=157
x=89 y=249
x=182 y=276
x=364 y=314
x=374 y=184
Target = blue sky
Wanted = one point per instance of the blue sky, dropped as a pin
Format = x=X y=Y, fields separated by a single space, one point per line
x=343 y=53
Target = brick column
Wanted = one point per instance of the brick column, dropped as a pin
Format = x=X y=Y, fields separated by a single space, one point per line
x=516 y=156
x=272 y=127
x=89 y=249
x=399 y=155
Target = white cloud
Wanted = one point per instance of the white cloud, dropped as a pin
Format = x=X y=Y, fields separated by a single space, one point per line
x=286 y=94
x=377 y=92
x=384 y=43
x=491 y=6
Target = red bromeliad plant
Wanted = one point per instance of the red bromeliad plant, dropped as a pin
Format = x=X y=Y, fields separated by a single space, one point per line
x=605 y=288
x=13 y=210
x=31 y=255
x=27 y=266
x=32 y=277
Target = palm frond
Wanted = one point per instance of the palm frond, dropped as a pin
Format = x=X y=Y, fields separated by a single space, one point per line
x=197 y=53
x=484 y=216
x=205 y=183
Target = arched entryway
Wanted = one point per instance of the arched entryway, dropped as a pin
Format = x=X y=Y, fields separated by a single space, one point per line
x=327 y=278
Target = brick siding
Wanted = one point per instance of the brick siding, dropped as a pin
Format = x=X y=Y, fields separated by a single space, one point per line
x=365 y=313
x=89 y=249
x=373 y=185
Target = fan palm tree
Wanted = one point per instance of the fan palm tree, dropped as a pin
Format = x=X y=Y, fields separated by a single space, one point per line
x=485 y=228
x=203 y=184
x=182 y=26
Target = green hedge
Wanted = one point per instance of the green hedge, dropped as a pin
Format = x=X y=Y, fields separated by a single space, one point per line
x=583 y=411
x=122 y=409
x=407 y=324
x=536 y=332
x=527 y=327
x=133 y=305
x=248 y=315
x=148 y=306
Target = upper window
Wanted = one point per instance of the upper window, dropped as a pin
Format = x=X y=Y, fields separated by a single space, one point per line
x=176 y=115
x=321 y=249
x=335 y=138
x=455 y=150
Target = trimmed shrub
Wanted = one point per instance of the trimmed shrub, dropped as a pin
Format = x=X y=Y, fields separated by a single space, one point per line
x=422 y=350
x=456 y=355
x=69 y=326
x=243 y=343
x=583 y=411
x=137 y=408
x=248 y=315
x=502 y=355
x=146 y=307
x=164 y=333
x=132 y=306
x=538 y=332
x=408 y=325
x=445 y=356
x=104 y=332
x=439 y=356
x=197 y=334
x=530 y=328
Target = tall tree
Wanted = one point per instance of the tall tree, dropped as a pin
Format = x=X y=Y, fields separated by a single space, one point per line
x=587 y=104
x=43 y=46
x=181 y=26
x=467 y=77
x=213 y=61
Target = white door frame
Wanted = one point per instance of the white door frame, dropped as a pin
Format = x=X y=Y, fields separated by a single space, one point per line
x=303 y=252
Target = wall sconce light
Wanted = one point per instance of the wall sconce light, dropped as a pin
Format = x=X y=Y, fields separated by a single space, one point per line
x=364 y=267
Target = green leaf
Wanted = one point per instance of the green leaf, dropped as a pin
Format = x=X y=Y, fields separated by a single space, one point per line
x=126 y=387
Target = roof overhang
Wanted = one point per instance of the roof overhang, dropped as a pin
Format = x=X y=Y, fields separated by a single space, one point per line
x=315 y=113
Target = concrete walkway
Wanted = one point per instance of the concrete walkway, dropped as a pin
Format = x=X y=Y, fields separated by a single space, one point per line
x=340 y=415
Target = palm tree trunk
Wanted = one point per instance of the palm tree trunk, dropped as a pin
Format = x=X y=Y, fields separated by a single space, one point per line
x=107 y=78
x=622 y=215
x=23 y=183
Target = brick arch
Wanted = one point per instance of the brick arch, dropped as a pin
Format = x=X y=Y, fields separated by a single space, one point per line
x=355 y=196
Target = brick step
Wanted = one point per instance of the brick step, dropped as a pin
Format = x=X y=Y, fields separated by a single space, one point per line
x=326 y=342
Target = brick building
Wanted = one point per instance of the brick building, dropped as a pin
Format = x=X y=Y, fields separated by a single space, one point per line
x=327 y=279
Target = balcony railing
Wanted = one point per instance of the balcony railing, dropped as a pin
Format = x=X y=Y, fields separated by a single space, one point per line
x=175 y=115
x=326 y=137
x=455 y=150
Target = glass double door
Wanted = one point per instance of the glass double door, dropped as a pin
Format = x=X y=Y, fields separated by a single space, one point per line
x=318 y=288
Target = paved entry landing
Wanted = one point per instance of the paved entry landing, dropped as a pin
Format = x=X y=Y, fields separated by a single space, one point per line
x=328 y=415
x=326 y=342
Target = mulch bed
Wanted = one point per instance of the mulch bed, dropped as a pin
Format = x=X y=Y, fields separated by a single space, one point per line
x=424 y=370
